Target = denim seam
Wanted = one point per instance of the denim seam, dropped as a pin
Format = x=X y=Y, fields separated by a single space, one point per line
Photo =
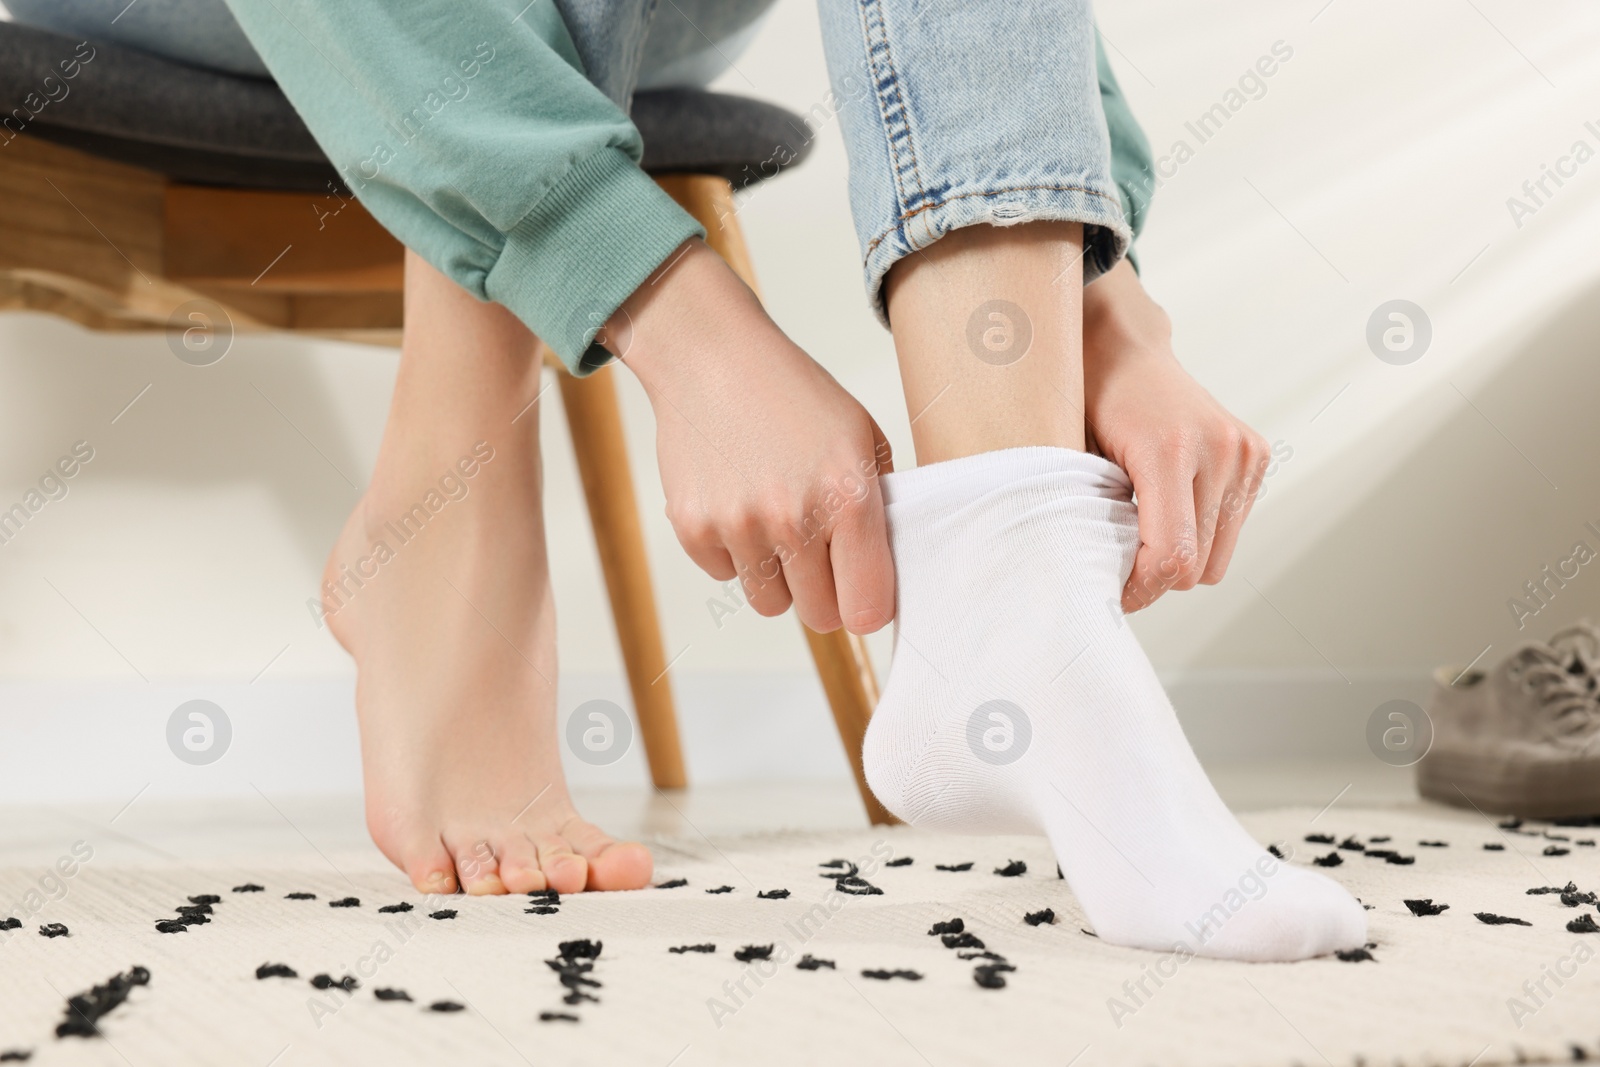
x=899 y=223
x=893 y=112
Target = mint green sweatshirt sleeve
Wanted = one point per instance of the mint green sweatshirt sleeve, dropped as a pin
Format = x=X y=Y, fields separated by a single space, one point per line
x=1131 y=159
x=476 y=139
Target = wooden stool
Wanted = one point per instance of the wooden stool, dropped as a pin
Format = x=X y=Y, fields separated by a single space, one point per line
x=105 y=232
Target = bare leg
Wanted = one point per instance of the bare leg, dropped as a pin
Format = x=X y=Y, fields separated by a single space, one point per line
x=439 y=587
x=988 y=326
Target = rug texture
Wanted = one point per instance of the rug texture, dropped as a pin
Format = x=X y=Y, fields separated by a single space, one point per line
x=808 y=949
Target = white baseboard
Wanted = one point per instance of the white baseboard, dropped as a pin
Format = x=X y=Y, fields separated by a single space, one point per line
x=62 y=742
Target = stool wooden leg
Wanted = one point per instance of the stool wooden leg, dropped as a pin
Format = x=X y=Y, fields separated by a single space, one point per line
x=841 y=657
x=595 y=421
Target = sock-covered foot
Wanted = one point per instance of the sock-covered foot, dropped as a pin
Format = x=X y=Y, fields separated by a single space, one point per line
x=1020 y=702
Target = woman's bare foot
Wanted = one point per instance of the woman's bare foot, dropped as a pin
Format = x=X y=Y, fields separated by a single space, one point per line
x=439 y=587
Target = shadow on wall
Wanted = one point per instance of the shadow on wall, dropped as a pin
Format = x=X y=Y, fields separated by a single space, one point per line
x=1446 y=534
x=263 y=416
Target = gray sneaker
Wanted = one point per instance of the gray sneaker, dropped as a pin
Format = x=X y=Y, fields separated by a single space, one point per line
x=1522 y=739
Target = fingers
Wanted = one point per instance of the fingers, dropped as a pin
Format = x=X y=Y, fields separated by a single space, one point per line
x=862 y=566
x=1236 y=502
x=1167 y=553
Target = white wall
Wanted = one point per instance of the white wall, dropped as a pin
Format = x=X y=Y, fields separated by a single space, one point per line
x=1419 y=499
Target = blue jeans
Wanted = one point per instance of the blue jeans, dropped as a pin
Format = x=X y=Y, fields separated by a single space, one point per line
x=954 y=112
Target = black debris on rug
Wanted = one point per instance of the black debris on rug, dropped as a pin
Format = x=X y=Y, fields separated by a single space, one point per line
x=1433 y=844
x=1012 y=869
x=12 y=923
x=394 y=909
x=443 y=913
x=446 y=1006
x=679 y=950
x=953 y=866
x=1583 y=924
x=275 y=970
x=1275 y=852
x=574 y=967
x=16 y=1055
x=85 y=1010
x=773 y=894
x=299 y=896
x=1332 y=859
x=54 y=930
x=953 y=934
x=1355 y=955
x=948 y=926
x=557 y=1017
x=898 y=861
x=965 y=939
x=249 y=887
x=1350 y=844
x=1426 y=906
x=1500 y=920
x=1042 y=917
x=720 y=889
x=808 y=962
x=751 y=953
x=1555 y=850
x=884 y=976
x=847 y=879
x=1379 y=839
x=345 y=902
x=676 y=883
x=1319 y=839
x=391 y=994
x=325 y=981
x=1573 y=900
x=543 y=902
x=1541 y=890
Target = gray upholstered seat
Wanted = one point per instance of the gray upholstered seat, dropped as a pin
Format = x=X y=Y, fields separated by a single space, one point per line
x=222 y=129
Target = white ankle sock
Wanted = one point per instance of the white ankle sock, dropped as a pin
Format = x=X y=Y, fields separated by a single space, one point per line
x=1010 y=567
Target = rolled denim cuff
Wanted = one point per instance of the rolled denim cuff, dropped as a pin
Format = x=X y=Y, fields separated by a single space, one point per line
x=1106 y=234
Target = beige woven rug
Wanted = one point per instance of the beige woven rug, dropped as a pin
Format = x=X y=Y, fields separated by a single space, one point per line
x=1441 y=989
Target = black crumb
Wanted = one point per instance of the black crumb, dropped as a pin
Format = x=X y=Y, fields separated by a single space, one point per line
x=1541 y=890
x=1380 y=853
x=990 y=975
x=1319 y=839
x=1012 y=869
x=953 y=866
x=884 y=976
x=391 y=994
x=1425 y=906
x=1350 y=844
x=1059 y=875
x=445 y=1005
x=1355 y=955
x=949 y=926
x=16 y=1055
x=444 y=913
x=1399 y=860
x=12 y=923
x=898 y=861
x=1500 y=920
x=1091 y=933
x=721 y=889
x=541 y=909
x=753 y=952
x=681 y=949
x=345 y=902
x=676 y=883
x=1586 y=842
x=1041 y=917
x=808 y=962
x=171 y=926
x=547 y=896
x=276 y=970
x=53 y=930
x=1379 y=839
x=581 y=949
x=965 y=939
x=249 y=887
x=1433 y=844
x=300 y=896
x=348 y=983
x=773 y=894
x=1583 y=924
x=1332 y=859
x=85 y=1010
x=1274 y=850
x=1493 y=846
x=206 y=898
x=985 y=955
x=1572 y=900
x=1555 y=850
x=1510 y=824
x=392 y=909
x=1548 y=836
x=557 y=1017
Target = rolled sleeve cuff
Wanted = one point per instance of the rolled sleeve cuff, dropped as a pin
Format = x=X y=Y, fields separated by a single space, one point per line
x=583 y=249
